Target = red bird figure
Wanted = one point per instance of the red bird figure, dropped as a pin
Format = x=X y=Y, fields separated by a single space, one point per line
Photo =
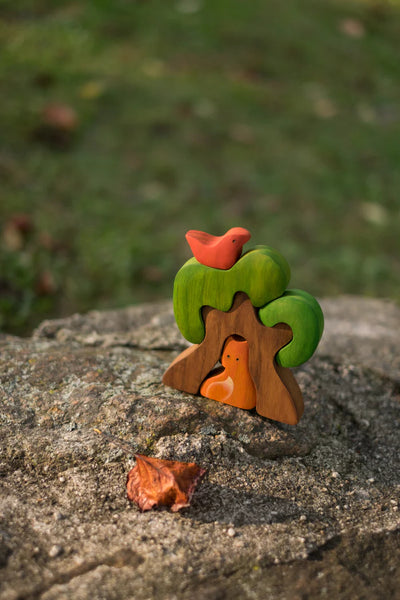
x=219 y=252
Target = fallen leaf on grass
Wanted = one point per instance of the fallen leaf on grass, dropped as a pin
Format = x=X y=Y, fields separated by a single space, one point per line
x=45 y=284
x=23 y=222
x=319 y=99
x=374 y=213
x=352 y=27
x=60 y=116
x=57 y=126
x=155 y=482
x=325 y=108
x=16 y=230
x=188 y=7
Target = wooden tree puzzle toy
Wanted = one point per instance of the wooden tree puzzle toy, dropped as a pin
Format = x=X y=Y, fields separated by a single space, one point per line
x=236 y=311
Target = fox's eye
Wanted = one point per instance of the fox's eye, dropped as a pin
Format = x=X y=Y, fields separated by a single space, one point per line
x=233 y=241
x=228 y=356
x=237 y=359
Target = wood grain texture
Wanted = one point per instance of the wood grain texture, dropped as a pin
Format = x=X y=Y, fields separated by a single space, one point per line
x=262 y=273
x=232 y=383
x=301 y=311
x=278 y=396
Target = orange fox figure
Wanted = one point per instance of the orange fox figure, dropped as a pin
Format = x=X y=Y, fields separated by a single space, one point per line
x=232 y=383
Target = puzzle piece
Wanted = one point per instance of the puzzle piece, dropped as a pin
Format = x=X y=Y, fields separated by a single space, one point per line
x=219 y=252
x=278 y=396
x=244 y=317
x=232 y=383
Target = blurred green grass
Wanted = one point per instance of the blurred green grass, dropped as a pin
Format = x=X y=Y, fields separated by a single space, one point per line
x=281 y=117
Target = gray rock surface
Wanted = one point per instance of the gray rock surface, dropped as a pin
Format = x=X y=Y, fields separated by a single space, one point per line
x=283 y=512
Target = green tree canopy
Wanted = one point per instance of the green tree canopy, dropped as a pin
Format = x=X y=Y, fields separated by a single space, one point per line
x=263 y=274
x=303 y=314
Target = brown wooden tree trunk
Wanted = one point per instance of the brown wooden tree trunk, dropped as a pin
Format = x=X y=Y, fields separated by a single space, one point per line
x=278 y=394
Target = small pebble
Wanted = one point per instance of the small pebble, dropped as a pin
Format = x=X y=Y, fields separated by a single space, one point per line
x=55 y=551
x=303 y=518
x=231 y=532
x=61 y=479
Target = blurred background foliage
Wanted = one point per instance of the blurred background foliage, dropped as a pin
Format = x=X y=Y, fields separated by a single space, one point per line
x=125 y=123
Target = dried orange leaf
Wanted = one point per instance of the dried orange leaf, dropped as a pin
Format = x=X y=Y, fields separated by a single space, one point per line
x=154 y=482
x=352 y=27
x=60 y=116
x=45 y=284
